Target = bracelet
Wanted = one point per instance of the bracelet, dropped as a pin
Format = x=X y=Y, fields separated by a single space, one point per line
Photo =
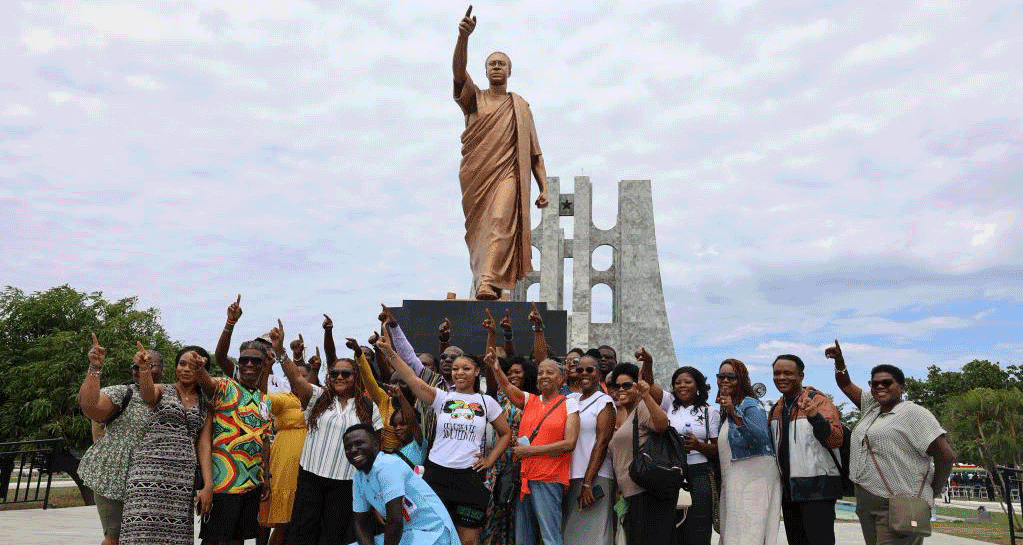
x=94 y=371
x=842 y=371
x=230 y=323
x=537 y=328
x=587 y=485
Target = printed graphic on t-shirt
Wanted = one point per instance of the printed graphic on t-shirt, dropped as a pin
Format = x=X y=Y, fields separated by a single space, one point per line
x=461 y=410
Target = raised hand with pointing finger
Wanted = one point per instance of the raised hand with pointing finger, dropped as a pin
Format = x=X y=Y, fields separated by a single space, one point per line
x=234 y=311
x=96 y=354
x=298 y=348
x=277 y=338
x=467 y=24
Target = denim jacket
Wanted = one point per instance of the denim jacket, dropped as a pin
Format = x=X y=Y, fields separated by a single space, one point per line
x=753 y=437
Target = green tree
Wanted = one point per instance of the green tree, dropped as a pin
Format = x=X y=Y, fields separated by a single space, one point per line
x=44 y=338
x=986 y=426
x=942 y=385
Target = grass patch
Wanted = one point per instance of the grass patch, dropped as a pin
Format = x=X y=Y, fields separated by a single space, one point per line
x=64 y=496
x=997 y=531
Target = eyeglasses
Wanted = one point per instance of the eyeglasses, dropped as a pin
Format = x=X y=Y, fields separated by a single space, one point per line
x=728 y=376
x=448 y=356
x=623 y=386
x=249 y=360
x=334 y=373
x=883 y=383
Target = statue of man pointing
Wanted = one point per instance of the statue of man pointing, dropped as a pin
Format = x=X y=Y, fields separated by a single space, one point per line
x=499 y=152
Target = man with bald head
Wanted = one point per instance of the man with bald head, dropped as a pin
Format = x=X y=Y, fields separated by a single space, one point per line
x=499 y=152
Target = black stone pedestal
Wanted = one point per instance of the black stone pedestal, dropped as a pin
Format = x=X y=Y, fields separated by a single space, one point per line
x=419 y=320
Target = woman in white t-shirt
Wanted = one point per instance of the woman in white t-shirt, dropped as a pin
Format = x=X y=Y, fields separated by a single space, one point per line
x=589 y=504
x=697 y=423
x=456 y=458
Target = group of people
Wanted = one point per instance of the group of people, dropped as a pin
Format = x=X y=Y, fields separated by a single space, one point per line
x=399 y=446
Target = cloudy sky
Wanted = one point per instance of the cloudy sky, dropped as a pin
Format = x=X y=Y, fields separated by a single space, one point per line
x=820 y=169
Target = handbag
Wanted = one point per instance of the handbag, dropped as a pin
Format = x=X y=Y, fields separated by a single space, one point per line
x=660 y=465
x=906 y=514
x=509 y=482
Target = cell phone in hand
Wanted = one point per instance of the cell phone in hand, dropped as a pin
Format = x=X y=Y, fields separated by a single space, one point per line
x=598 y=492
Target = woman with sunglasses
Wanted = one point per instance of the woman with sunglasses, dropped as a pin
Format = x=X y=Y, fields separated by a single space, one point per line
x=158 y=499
x=892 y=448
x=456 y=458
x=589 y=513
x=697 y=423
x=750 y=482
x=648 y=519
x=322 y=513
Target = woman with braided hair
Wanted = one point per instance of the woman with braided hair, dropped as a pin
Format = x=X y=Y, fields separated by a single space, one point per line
x=322 y=513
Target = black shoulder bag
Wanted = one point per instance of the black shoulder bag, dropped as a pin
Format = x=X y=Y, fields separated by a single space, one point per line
x=509 y=482
x=659 y=466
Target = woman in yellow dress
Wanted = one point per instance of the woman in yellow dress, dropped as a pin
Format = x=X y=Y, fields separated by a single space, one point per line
x=289 y=435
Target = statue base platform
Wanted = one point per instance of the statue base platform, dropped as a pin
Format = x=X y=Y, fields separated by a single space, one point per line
x=419 y=319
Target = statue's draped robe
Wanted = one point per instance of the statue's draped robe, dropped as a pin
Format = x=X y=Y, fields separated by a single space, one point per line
x=498 y=148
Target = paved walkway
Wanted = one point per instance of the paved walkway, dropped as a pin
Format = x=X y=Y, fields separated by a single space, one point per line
x=80 y=525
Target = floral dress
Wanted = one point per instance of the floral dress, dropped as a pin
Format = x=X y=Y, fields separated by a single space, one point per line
x=500 y=523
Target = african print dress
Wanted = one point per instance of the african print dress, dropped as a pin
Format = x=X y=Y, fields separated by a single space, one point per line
x=499 y=528
x=161 y=479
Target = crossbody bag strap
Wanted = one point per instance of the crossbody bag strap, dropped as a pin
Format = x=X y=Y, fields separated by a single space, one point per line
x=878 y=466
x=635 y=431
x=870 y=450
x=544 y=417
x=597 y=395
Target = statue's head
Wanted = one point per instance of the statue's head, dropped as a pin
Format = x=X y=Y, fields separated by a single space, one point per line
x=498 y=67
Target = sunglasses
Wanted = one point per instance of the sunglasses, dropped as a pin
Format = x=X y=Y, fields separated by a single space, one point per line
x=448 y=356
x=727 y=376
x=623 y=386
x=249 y=360
x=334 y=373
x=582 y=370
x=883 y=383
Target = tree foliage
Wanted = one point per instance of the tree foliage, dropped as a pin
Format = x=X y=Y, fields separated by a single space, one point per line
x=940 y=385
x=44 y=338
x=986 y=427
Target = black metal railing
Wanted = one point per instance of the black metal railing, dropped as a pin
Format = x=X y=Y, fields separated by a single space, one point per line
x=1012 y=490
x=23 y=465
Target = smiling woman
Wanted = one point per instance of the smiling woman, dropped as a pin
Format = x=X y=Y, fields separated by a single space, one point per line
x=893 y=447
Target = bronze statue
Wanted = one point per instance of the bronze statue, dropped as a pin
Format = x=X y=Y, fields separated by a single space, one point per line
x=499 y=151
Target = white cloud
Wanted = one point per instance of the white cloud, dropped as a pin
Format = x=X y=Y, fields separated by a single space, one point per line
x=17 y=110
x=143 y=82
x=886 y=48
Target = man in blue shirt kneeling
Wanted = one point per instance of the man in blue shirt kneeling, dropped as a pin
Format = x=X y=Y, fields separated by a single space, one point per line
x=413 y=513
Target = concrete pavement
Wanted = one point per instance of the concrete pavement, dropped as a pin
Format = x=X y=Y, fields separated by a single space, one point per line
x=80 y=525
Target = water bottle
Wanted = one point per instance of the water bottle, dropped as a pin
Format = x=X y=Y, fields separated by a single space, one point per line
x=688 y=430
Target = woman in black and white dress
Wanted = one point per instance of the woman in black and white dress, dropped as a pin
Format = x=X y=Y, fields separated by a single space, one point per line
x=697 y=422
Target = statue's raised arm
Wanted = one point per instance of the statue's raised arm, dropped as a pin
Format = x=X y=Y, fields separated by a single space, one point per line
x=465 y=28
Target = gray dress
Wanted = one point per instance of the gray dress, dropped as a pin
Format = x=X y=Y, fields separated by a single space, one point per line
x=161 y=479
